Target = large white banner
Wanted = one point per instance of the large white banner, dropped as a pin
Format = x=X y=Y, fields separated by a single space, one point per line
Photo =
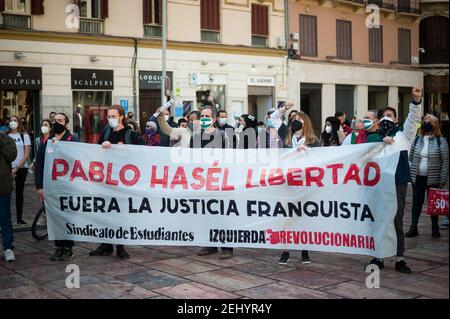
x=336 y=199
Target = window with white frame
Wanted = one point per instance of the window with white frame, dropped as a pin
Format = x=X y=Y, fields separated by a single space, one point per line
x=90 y=9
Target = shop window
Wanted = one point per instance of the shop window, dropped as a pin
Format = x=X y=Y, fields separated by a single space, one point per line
x=90 y=110
x=211 y=95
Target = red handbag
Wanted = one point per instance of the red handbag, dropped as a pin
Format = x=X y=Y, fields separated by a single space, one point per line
x=437 y=202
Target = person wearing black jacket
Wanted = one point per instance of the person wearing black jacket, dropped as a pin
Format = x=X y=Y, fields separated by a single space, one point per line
x=63 y=250
x=116 y=132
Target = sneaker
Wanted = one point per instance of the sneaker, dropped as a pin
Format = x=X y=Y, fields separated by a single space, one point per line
x=122 y=253
x=378 y=262
x=57 y=254
x=102 y=250
x=412 y=232
x=9 y=255
x=401 y=266
x=207 y=251
x=66 y=255
x=226 y=253
x=305 y=257
x=284 y=259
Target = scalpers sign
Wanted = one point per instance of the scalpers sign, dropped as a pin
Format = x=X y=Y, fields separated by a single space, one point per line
x=83 y=79
x=20 y=78
x=261 y=81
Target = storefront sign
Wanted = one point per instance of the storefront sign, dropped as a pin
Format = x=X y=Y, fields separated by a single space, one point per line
x=256 y=80
x=20 y=78
x=149 y=80
x=84 y=79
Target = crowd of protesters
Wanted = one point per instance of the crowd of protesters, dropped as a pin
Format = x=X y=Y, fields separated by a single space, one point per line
x=426 y=165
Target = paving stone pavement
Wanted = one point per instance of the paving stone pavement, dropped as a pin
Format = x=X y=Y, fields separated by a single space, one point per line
x=177 y=272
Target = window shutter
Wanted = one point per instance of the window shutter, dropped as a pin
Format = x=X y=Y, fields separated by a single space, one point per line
x=376 y=44
x=2 y=5
x=308 y=35
x=210 y=15
x=404 y=46
x=343 y=39
x=260 y=20
x=37 y=7
x=158 y=11
x=146 y=11
x=104 y=9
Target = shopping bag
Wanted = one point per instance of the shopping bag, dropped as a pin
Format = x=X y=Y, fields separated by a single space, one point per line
x=437 y=202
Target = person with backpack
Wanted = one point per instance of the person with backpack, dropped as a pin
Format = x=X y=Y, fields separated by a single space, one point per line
x=116 y=132
x=20 y=164
x=429 y=169
x=60 y=132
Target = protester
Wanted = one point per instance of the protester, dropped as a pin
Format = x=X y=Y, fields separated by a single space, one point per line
x=116 y=132
x=20 y=164
x=46 y=129
x=247 y=132
x=180 y=135
x=371 y=122
x=210 y=137
x=182 y=123
x=429 y=169
x=151 y=136
x=222 y=125
x=333 y=135
x=388 y=131
x=8 y=153
x=51 y=116
x=345 y=124
x=358 y=135
x=291 y=117
x=277 y=130
x=60 y=132
x=300 y=137
x=4 y=127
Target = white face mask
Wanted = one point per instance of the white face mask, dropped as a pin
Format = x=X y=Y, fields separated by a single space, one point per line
x=166 y=117
x=222 y=121
x=113 y=123
x=45 y=130
x=13 y=125
x=328 y=129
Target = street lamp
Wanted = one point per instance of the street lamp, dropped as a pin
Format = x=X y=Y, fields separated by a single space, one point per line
x=164 y=48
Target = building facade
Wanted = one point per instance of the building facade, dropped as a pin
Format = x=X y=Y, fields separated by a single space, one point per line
x=434 y=58
x=352 y=56
x=224 y=53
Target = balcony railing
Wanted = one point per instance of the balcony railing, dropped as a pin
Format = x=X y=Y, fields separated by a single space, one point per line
x=383 y=4
x=152 y=31
x=15 y=21
x=360 y=2
x=93 y=26
x=210 y=36
x=408 y=6
x=259 y=41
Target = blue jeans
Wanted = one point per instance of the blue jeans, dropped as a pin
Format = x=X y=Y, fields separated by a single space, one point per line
x=5 y=222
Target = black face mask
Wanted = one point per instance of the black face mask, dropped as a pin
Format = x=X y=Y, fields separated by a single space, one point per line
x=386 y=126
x=58 y=128
x=427 y=127
x=296 y=126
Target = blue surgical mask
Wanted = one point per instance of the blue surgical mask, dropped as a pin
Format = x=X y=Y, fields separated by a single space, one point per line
x=368 y=124
x=270 y=123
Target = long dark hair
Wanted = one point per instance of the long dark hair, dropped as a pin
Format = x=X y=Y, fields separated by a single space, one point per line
x=328 y=139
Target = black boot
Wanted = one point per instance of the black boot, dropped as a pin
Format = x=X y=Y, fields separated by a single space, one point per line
x=413 y=232
x=103 y=249
x=121 y=252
